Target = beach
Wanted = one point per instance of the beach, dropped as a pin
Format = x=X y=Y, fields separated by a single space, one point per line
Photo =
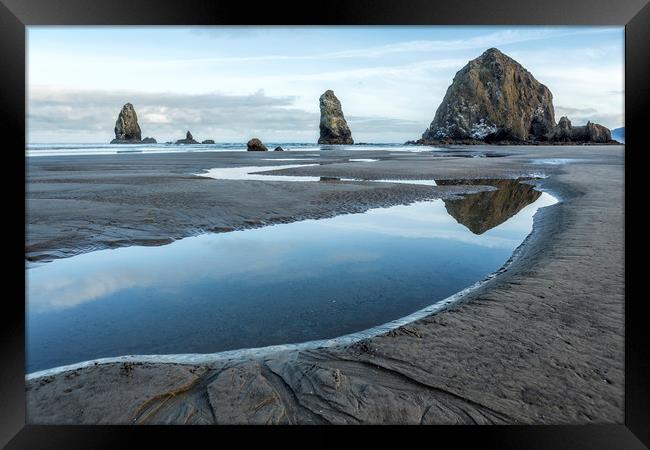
x=539 y=343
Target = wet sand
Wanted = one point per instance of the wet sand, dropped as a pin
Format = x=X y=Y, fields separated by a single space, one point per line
x=77 y=204
x=540 y=343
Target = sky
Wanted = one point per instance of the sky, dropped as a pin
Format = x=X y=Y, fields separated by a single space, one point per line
x=233 y=83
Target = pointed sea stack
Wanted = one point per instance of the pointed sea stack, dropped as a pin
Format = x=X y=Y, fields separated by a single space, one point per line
x=333 y=127
x=127 y=130
x=494 y=99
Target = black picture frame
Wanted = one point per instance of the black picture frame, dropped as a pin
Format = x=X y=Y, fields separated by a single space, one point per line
x=15 y=15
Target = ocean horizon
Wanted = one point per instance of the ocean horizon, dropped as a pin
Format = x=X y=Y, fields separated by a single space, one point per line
x=65 y=149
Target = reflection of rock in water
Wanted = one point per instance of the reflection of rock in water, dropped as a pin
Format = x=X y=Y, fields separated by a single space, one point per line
x=485 y=210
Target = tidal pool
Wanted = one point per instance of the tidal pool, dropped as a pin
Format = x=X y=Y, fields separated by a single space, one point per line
x=280 y=284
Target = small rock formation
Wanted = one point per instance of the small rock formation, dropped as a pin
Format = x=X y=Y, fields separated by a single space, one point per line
x=565 y=132
x=188 y=139
x=255 y=145
x=278 y=149
x=149 y=140
x=207 y=141
x=493 y=99
x=333 y=127
x=127 y=130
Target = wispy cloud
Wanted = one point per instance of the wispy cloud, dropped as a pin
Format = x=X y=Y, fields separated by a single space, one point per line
x=481 y=42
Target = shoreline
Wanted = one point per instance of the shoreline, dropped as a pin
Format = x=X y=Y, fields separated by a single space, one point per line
x=416 y=353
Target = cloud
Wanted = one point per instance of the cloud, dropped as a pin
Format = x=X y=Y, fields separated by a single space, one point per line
x=162 y=115
x=90 y=115
x=568 y=111
x=580 y=116
x=364 y=128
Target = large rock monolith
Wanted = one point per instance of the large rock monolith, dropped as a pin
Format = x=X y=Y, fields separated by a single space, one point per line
x=127 y=130
x=493 y=94
x=333 y=127
x=495 y=100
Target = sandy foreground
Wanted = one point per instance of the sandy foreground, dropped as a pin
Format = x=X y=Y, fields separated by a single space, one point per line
x=540 y=343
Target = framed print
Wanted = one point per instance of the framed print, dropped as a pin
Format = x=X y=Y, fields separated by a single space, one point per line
x=366 y=214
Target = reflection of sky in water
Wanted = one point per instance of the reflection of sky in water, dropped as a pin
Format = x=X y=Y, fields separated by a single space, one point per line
x=555 y=161
x=285 y=283
x=256 y=173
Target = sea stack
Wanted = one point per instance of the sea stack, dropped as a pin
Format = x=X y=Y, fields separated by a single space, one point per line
x=494 y=99
x=493 y=94
x=127 y=130
x=333 y=127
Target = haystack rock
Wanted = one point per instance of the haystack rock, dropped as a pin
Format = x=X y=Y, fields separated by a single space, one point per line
x=493 y=94
x=494 y=99
x=189 y=139
x=127 y=130
x=333 y=127
x=255 y=145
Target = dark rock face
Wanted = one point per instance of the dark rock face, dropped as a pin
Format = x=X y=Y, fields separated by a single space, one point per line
x=207 y=141
x=494 y=99
x=127 y=129
x=333 y=127
x=565 y=132
x=255 y=145
x=493 y=93
x=596 y=133
x=278 y=149
x=485 y=210
x=149 y=140
x=561 y=132
x=189 y=139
